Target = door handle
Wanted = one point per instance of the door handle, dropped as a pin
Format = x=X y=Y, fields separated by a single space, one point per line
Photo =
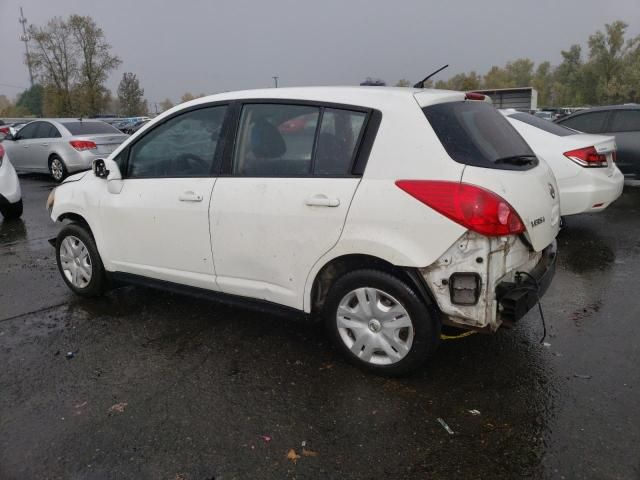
x=190 y=197
x=45 y=144
x=321 y=200
x=25 y=146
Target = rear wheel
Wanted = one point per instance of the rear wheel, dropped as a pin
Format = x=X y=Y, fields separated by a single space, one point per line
x=380 y=323
x=12 y=210
x=79 y=262
x=57 y=168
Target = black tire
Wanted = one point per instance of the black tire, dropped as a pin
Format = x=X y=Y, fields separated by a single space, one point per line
x=58 y=177
x=424 y=318
x=11 y=211
x=98 y=282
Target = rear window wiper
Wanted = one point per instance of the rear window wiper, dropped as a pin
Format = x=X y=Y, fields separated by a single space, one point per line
x=525 y=159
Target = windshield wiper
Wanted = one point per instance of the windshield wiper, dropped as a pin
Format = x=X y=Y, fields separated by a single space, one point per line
x=525 y=159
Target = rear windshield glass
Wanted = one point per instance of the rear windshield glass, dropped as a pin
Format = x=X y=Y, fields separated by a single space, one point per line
x=543 y=124
x=89 y=128
x=474 y=133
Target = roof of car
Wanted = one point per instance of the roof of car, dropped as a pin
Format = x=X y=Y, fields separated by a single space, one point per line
x=369 y=96
x=626 y=106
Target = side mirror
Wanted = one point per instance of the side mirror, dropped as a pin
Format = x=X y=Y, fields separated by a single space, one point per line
x=100 y=168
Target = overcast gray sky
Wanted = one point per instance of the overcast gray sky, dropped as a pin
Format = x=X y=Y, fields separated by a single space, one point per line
x=210 y=46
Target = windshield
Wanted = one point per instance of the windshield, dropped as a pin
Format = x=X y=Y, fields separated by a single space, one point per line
x=474 y=133
x=543 y=124
x=89 y=128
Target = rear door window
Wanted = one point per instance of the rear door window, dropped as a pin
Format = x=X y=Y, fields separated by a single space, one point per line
x=543 y=124
x=474 y=133
x=46 y=130
x=625 y=121
x=89 y=128
x=587 y=122
x=275 y=140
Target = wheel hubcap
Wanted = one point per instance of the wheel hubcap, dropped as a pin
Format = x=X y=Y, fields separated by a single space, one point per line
x=374 y=326
x=56 y=169
x=75 y=261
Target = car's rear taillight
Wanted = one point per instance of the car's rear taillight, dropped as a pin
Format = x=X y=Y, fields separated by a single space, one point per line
x=587 y=157
x=1 y=154
x=81 y=145
x=5 y=130
x=472 y=207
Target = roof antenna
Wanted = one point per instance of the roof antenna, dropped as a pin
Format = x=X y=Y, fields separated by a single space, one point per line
x=421 y=83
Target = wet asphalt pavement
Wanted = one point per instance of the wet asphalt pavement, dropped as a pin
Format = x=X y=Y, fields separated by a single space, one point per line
x=167 y=387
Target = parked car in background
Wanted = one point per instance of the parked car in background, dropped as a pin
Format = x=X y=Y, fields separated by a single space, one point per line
x=10 y=129
x=10 y=193
x=544 y=115
x=384 y=211
x=583 y=164
x=621 y=121
x=134 y=126
x=61 y=146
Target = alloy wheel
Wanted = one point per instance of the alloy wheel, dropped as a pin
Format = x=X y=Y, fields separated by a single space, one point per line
x=57 y=169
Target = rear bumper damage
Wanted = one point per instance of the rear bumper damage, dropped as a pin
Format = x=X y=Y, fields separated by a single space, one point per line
x=477 y=285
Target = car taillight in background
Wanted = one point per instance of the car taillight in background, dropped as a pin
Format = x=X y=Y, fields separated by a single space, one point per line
x=1 y=154
x=587 y=157
x=5 y=130
x=81 y=145
x=472 y=207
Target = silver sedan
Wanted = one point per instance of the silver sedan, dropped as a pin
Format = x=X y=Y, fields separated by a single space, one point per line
x=61 y=146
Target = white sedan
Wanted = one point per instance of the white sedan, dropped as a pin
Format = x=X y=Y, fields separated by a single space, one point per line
x=10 y=194
x=584 y=164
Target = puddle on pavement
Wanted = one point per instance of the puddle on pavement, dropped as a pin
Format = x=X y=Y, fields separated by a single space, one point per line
x=582 y=250
x=12 y=231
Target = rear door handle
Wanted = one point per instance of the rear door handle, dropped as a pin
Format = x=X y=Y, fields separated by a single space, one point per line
x=190 y=197
x=45 y=144
x=321 y=200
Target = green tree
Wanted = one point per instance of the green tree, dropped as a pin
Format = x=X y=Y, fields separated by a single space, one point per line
x=519 y=72
x=130 y=96
x=403 y=83
x=606 y=57
x=31 y=100
x=542 y=82
x=496 y=77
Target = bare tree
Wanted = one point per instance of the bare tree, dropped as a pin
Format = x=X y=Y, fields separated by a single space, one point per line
x=97 y=63
x=53 y=57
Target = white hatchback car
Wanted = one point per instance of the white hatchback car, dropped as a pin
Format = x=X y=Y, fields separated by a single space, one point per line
x=583 y=163
x=384 y=211
x=10 y=193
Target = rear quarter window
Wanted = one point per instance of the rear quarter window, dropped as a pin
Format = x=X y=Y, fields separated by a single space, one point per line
x=474 y=133
x=90 y=128
x=543 y=124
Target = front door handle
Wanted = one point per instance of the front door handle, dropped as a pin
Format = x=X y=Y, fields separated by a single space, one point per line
x=321 y=200
x=190 y=197
x=45 y=144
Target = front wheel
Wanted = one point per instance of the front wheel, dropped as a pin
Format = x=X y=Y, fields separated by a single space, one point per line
x=380 y=323
x=79 y=262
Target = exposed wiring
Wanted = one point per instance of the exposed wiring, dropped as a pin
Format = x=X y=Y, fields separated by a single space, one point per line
x=457 y=337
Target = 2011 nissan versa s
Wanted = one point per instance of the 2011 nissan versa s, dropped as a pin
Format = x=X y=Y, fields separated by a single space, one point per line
x=386 y=212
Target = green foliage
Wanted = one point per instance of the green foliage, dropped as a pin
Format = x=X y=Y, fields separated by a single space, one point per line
x=130 y=96
x=610 y=74
x=31 y=100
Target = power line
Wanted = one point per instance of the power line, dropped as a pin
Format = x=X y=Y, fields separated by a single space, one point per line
x=13 y=86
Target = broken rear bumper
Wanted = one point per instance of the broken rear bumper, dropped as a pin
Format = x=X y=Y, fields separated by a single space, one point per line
x=516 y=298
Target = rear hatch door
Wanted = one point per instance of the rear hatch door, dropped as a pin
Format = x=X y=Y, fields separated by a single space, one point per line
x=498 y=159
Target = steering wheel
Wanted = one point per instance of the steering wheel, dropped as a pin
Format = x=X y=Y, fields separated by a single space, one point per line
x=189 y=163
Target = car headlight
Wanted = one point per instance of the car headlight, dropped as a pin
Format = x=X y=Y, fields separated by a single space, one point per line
x=50 y=199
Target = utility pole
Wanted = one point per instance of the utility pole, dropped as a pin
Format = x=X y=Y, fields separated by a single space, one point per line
x=275 y=81
x=25 y=39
